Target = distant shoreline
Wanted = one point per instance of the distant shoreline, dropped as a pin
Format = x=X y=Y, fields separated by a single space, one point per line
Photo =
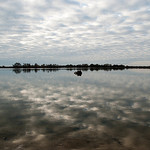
x=126 y=67
x=79 y=66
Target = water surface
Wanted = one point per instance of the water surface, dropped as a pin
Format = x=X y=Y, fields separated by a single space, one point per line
x=56 y=110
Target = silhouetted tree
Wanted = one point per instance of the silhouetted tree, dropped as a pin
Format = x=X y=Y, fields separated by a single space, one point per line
x=36 y=65
x=17 y=65
x=26 y=65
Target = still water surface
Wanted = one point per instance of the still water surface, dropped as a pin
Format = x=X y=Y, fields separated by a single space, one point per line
x=103 y=110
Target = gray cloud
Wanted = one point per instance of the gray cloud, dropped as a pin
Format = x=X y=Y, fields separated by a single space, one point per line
x=96 y=31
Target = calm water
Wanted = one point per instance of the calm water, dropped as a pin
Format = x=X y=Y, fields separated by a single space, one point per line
x=56 y=110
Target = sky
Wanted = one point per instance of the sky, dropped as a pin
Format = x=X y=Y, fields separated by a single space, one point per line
x=75 y=31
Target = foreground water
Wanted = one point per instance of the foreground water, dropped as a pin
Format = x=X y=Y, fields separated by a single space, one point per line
x=60 y=111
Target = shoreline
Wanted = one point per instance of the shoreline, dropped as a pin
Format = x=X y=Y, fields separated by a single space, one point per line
x=78 y=67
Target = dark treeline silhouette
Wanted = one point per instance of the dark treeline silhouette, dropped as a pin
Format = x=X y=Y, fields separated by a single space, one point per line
x=84 y=67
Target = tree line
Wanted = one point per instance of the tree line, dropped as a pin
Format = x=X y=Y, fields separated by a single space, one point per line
x=79 y=66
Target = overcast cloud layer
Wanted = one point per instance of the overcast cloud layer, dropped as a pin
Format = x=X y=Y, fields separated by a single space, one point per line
x=67 y=31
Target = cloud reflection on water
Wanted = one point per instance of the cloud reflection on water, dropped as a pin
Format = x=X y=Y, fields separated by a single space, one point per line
x=112 y=106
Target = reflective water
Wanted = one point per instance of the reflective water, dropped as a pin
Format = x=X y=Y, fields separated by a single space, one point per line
x=57 y=110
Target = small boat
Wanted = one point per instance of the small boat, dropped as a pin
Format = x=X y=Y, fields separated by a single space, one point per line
x=78 y=73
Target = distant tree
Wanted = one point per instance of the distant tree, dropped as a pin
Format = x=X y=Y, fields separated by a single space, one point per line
x=43 y=65
x=17 y=65
x=91 y=65
x=36 y=65
x=107 y=65
x=84 y=65
x=26 y=65
x=69 y=65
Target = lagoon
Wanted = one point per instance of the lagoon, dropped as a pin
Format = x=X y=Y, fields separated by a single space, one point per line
x=57 y=110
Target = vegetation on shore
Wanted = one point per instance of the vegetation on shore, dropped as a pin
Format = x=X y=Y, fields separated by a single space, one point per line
x=79 y=66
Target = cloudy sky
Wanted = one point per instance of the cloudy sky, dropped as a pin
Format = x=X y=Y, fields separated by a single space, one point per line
x=75 y=31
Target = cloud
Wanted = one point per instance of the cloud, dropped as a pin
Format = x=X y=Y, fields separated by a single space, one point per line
x=99 y=30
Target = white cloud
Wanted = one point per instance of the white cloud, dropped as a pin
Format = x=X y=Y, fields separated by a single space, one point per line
x=100 y=30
